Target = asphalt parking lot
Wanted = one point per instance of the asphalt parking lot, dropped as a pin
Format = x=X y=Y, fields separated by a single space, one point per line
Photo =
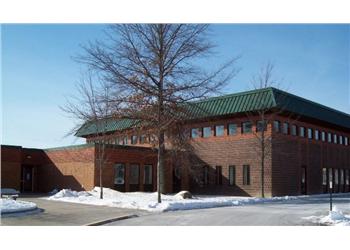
x=56 y=213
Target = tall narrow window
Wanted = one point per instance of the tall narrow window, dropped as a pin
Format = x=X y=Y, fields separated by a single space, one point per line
x=346 y=141
x=143 y=139
x=335 y=138
x=116 y=141
x=246 y=175
x=232 y=175
x=125 y=140
x=329 y=137
x=323 y=136
x=195 y=133
x=246 y=127
x=206 y=132
x=133 y=139
x=232 y=129
x=294 y=130
x=219 y=130
x=285 y=128
x=336 y=177
x=261 y=126
x=205 y=175
x=277 y=126
x=317 y=135
x=218 y=175
x=324 y=176
x=342 y=177
x=347 y=177
x=119 y=174
x=302 y=132
x=134 y=174
x=309 y=133
x=340 y=139
x=147 y=174
x=330 y=176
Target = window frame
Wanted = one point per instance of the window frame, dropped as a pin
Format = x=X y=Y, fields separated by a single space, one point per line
x=115 y=166
x=294 y=130
x=144 y=174
x=197 y=134
x=216 y=130
x=203 y=132
x=229 y=128
x=277 y=126
x=246 y=175
x=131 y=175
x=302 y=131
x=232 y=175
x=218 y=175
x=243 y=127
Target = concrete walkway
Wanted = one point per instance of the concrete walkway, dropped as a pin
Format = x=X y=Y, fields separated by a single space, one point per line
x=56 y=213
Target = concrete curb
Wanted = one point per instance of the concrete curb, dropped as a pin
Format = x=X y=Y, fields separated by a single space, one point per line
x=102 y=222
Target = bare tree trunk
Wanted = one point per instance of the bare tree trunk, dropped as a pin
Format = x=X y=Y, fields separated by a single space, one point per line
x=160 y=166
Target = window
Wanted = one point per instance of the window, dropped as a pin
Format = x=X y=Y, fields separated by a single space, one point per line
x=218 y=175
x=335 y=138
x=340 y=140
x=342 y=176
x=232 y=129
x=246 y=127
x=195 y=132
x=205 y=175
x=147 y=174
x=317 y=135
x=116 y=141
x=302 y=132
x=309 y=133
x=329 y=137
x=133 y=139
x=219 y=130
x=347 y=176
x=324 y=176
x=206 y=131
x=346 y=141
x=134 y=174
x=143 y=139
x=285 y=128
x=336 y=177
x=276 y=126
x=125 y=140
x=294 y=130
x=261 y=125
x=232 y=175
x=119 y=174
x=323 y=136
x=246 y=175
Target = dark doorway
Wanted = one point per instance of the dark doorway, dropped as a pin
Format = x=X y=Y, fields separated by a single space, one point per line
x=27 y=178
x=176 y=180
x=303 y=180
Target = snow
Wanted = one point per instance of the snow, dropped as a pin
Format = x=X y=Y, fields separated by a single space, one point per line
x=148 y=201
x=334 y=218
x=11 y=206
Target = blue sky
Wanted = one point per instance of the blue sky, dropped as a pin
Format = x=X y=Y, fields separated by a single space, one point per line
x=38 y=70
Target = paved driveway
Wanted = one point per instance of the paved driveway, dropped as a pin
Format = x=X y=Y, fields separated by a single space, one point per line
x=56 y=213
x=269 y=214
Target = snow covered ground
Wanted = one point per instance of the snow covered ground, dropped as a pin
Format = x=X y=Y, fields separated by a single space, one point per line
x=12 y=206
x=334 y=218
x=148 y=201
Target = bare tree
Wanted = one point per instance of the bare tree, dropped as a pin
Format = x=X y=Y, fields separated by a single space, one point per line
x=92 y=108
x=158 y=67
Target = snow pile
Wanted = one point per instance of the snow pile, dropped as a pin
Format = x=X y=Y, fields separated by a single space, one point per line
x=148 y=201
x=12 y=206
x=334 y=218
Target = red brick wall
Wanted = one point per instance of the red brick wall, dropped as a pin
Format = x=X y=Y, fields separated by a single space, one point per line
x=11 y=157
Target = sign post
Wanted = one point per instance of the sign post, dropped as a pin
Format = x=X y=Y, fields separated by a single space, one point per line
x=330 y=195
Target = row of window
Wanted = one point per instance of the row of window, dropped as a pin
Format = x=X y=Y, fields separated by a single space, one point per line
x=336 y=177
x=231 y=175
x=134 y=174
x=310 y=133
x=247 y=127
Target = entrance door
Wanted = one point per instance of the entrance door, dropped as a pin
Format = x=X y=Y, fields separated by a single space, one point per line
x=303 y=180
x=27 y=178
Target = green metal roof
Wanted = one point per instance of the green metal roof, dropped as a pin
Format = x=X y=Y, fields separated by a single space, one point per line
x=248 y=101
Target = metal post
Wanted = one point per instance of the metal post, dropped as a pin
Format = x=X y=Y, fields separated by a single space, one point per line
x=330 y=195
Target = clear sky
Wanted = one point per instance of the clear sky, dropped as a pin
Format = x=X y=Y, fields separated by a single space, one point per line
x=38 y=70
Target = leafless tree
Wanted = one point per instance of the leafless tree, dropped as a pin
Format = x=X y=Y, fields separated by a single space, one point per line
x=92 y=107
x=158 y=68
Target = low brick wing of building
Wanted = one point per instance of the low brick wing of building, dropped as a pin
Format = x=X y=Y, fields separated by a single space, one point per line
x=307 y=147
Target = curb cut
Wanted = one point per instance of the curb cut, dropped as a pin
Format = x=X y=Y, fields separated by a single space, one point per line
x=102 y=222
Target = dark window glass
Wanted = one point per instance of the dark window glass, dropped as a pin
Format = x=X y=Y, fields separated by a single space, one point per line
x=125 y=140
x=133 y=139
x=232 y=175
x=324 y=176
x=317 y=135
x=134 y=174
x=116 y=141
x=147 y=175
x=246 y=175
x=205 y=175
x=206 y=131
x=218 y=175
x=294 y=129
x=232 y=129
x=143 y=139
x=329 y=137
x=246 y=127
x=309 y=133
x=277 y=126
x=261 y=125
x=219 y=130
x=323 y=136
x=119 y=174
x=302 y=132
x=342 y=176
x=336 y=177
x=195 y=133
x=285 y=128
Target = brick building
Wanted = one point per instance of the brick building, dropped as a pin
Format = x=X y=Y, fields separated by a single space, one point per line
x=308 y=145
